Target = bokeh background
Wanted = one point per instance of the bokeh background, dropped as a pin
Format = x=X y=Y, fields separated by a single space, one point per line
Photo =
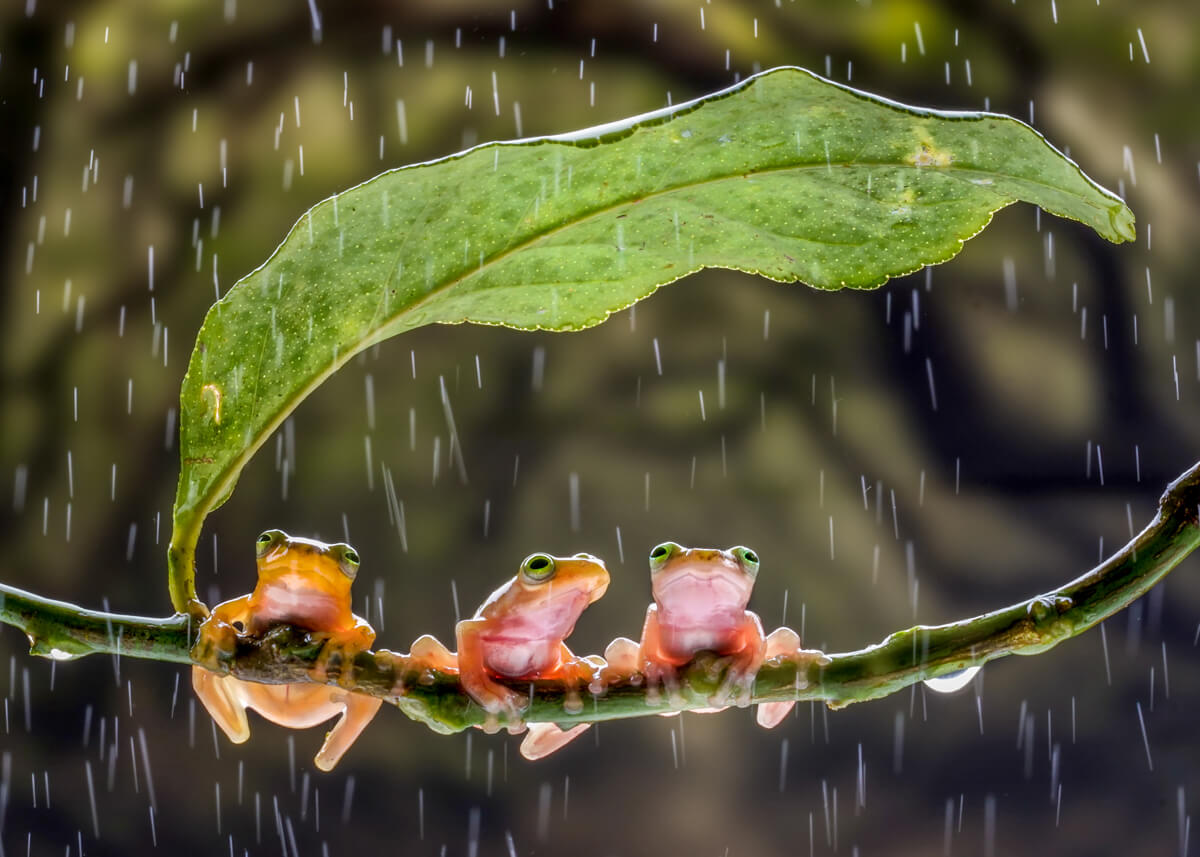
x=154 y=152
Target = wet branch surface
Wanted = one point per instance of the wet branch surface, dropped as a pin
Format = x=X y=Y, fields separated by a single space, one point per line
x=287 y=654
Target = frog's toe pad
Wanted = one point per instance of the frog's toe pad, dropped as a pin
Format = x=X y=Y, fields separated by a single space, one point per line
x=508 y=707
x=572 y=703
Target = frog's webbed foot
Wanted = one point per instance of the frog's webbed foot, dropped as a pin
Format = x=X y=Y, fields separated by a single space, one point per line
x=783 y=644
x=429 y=655
x=543 y=739
x=621 y=664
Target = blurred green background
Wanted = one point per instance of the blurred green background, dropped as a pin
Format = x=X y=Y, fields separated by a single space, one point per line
x=154 y=152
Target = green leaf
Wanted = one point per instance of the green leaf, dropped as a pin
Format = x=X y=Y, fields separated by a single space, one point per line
x=786 y=175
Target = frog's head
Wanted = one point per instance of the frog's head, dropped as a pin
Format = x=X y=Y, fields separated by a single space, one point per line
x=306 y=563
x=548 y=594
x=545 y=578
x=720 y=579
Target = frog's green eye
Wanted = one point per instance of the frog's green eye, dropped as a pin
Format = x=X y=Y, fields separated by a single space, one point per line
x=348 y=561
x=661 y=554
x=263 y=544
x=538 y=568
x=747 y=558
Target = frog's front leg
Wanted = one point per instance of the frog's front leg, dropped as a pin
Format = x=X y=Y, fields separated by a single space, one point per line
x=357 y=711
x=659 y=670
x=490 y=695
x=216 y=638
x=218 y=695
x=235 y=612
x=574 y=671
x=341 y=648
x=361 y=635
x=738 y=683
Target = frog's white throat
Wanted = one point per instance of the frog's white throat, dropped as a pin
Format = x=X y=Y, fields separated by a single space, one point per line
x=291 y=599
x=702 y=593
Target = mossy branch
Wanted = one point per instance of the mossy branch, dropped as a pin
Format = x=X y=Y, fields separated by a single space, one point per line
x=286 y=654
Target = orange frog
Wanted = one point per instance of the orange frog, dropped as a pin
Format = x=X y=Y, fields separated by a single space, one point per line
x=700 y=598
x=517 y=635
x=301 y=582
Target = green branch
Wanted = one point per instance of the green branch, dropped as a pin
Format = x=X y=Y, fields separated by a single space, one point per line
x=63 y=631
x=286 y=654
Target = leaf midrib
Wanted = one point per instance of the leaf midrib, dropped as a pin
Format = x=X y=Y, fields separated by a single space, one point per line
x=374 y=336
x=957 y=172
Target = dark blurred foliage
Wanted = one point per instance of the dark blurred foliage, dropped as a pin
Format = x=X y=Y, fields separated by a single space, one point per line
x=186 y=137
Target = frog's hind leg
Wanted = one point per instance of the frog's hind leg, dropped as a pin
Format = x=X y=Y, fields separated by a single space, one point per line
x=781 y=643
x=216 y=693
x=658 y=670
x=621 y=663
x=429 y=652
x=771 y=714
x=545 y=738
x=358 y=712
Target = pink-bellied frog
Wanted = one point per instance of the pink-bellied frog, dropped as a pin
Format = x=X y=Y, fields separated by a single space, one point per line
x=517 y=635
x=700 y=599
x=301 y=582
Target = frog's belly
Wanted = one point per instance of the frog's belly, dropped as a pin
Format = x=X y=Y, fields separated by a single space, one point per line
x=517 y=659
x=685 y=642
x=297 y=706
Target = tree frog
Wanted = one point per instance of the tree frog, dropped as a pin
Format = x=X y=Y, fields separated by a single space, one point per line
x=700 y=598
x=517 y=634
x=301 y=582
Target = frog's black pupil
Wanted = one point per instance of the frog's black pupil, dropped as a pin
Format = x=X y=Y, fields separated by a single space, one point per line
x=751 y=556
x=659 y=552
x=264 y=538
x=352 y=556
x=538 y=563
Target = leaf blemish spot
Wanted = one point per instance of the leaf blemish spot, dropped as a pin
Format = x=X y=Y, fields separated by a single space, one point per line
x=927 y=156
